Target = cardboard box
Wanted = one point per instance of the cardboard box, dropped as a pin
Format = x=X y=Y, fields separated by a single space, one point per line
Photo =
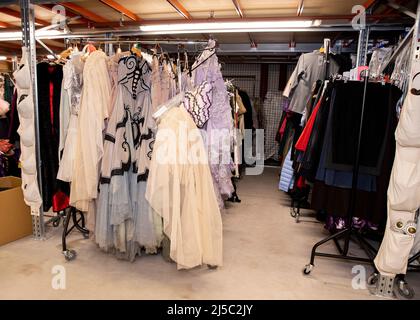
x=15 y=215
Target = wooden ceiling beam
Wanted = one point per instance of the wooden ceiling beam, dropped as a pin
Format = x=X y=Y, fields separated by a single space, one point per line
x=83 y=12
x=180 y=8
x=15 y=46
x=238 y=8
x=240 y=13
x=16 y=14
x=300 y=8
x=7 y=25
x=121 y=9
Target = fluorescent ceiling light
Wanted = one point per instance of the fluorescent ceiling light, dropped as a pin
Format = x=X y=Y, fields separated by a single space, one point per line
x=2 y=58
x=222 y=27
x=41 y=34
x=50 y=57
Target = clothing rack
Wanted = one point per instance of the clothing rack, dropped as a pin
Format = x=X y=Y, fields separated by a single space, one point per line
x=117 y=41
x=348 y=233
x=300 y=199
x=78 y=223
x=71 y=213
x=234 y=198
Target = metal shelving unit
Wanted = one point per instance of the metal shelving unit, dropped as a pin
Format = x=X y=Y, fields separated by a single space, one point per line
x=29 y=41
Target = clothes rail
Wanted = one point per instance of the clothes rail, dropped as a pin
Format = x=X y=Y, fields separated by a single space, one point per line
x=117 y=41
x=349 y=233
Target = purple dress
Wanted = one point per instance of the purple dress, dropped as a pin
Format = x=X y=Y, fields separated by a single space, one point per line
x=219 y=128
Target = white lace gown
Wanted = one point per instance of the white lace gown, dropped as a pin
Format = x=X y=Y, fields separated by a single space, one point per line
x=89 y=144
x=71 y=93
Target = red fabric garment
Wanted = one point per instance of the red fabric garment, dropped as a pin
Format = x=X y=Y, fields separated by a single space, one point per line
x=283 y=126
x=301 y=183
x=52 y=106
x=303 y=141
x=60 y=201
x=284 y=123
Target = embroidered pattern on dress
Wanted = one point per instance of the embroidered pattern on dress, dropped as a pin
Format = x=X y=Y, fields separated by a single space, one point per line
x=134 y=75
x=198 y=103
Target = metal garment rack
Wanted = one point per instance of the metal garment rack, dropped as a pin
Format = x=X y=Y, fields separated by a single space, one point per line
x=38 y=221
x=28 y=41
x=300 y=201
x=350 y=233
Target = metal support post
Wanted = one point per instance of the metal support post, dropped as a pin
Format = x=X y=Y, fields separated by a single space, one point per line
x=29 y=41
x=109 y=48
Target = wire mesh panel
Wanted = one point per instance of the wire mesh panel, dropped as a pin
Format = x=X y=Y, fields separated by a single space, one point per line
x=273 y=77
x=246 y=76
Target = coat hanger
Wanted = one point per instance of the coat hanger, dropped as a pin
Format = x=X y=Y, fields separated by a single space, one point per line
x=87 y=50
x=136 y=51
x=173 y=102
x=66 y=53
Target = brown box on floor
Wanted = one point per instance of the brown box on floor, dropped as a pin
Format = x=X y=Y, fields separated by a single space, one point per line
x=15 y=215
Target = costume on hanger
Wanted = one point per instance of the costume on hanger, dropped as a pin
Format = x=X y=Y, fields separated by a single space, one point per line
x=54 y=192
x=71 y=94
x=198 y=103
x=125 y=223
x=249 y=115
x=310 y=68
x=180 y=189
x=89 y=145
x=26 y=132
x=219 y=126
x=404 y=188
x=329 y=150
x=163 y=84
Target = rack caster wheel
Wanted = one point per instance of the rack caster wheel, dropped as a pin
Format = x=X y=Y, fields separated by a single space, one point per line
x=69 y=255
x=86 y=235
x=403 y=290
x=56 y=223
x=373 y=279
x=211 y=267
x=297 y=217
x=308 y=268
x=292 y=213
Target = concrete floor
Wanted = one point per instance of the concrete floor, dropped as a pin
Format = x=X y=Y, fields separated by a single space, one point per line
x=264 y=254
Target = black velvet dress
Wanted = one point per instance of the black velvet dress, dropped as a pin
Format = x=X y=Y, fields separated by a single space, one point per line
x=54 y=192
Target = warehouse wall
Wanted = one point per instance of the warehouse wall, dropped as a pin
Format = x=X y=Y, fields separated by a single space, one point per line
x=248 y=76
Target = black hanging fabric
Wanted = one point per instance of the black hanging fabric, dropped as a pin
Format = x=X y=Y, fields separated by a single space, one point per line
x=342 y=103
x=248 y=106
x=49 y=90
